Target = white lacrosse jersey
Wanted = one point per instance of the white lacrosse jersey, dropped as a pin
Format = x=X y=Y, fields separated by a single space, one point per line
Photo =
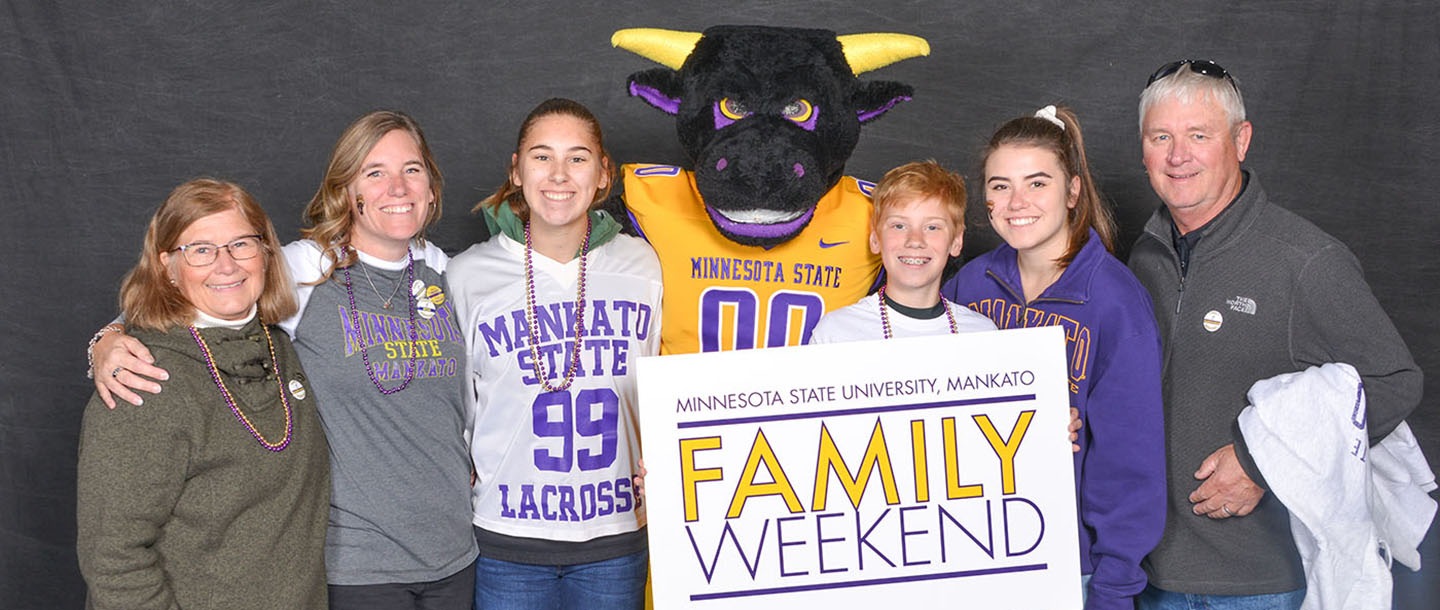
x=556 y=465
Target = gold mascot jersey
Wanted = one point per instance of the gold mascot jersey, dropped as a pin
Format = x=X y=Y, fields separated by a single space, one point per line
x=720 y=295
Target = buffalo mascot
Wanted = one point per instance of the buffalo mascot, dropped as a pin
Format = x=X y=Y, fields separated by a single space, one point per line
x=765 y=233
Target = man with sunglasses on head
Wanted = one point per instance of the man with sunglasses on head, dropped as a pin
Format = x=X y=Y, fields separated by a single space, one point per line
x=1244 y=290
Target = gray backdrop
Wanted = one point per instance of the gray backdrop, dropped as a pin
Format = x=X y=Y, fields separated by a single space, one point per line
x=104 y=107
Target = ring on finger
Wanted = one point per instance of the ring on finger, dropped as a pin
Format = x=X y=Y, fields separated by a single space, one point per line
x=115 y=372
x=1226 y=509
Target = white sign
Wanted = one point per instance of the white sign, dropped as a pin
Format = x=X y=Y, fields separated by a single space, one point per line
x=867 y=474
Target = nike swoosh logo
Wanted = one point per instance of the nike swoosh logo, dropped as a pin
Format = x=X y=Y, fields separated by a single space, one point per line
x=831 y=245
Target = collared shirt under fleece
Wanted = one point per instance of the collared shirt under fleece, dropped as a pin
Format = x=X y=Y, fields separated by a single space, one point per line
x=1266 y=293
x=1113 y=352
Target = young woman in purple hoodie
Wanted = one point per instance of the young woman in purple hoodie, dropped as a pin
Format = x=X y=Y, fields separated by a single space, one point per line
x=1056 y=268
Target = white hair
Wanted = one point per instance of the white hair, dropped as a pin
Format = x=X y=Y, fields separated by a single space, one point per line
x=1187 y=85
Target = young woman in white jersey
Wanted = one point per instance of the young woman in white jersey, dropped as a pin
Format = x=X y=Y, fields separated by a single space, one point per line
x=556 y=309
x=385 y=361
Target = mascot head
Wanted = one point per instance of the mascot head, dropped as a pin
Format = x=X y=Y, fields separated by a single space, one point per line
x=767 y=115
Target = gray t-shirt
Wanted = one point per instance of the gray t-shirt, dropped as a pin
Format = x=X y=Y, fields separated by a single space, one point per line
x=400 y=468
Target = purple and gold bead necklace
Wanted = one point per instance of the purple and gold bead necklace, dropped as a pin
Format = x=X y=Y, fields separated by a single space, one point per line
x=885 y=319
x=531 y=317
x=355 y=323
x=230 y=400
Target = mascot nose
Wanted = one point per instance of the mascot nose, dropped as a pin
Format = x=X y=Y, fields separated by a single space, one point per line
x=724 y=163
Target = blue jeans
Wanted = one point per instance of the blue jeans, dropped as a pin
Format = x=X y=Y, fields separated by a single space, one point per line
x=612 y=584
x=1159 y=599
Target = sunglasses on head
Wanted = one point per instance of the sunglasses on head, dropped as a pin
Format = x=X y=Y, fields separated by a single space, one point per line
x=1199 y=66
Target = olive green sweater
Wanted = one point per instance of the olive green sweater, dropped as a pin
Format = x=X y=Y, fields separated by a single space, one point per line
x=179 y=506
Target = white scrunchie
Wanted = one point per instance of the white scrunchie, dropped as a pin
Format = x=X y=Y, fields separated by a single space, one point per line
x=1048 y=113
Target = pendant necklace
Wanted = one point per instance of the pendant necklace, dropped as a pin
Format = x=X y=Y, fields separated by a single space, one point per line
x=531 y=316
x=359 y=337
x=384 y=302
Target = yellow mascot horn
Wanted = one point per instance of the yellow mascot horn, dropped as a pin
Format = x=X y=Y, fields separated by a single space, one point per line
x=866 y=52
x=668 y=48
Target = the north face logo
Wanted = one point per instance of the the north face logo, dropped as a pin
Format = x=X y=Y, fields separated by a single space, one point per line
x=1244 y=305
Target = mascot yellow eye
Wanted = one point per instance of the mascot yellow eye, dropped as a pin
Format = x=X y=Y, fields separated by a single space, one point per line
x=733 y=109
x=798 y=111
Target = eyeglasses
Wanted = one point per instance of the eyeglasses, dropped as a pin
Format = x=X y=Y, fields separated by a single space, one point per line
x=1199 y=66
x=200 y=254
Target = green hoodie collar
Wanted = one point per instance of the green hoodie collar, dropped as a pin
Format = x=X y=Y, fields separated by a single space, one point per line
x=501 y=219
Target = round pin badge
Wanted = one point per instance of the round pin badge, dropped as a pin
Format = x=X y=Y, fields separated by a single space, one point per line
x=1213 y=320
x=435 y=295
x=297 y=389
x=425 y=307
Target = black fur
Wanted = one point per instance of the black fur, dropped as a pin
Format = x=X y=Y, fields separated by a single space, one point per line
x=766 y=161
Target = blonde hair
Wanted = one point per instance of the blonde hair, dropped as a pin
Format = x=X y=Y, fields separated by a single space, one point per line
x=1068 y=146
x=148 y=298
x=329 y=213
x=508 y=192
x=916 y=181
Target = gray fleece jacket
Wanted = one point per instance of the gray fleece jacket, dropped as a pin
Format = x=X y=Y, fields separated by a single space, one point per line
x=1266 y=292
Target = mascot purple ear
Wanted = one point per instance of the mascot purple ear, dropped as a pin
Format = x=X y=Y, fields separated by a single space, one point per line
x=874 y=98
x=866 y=52
x=659 y=87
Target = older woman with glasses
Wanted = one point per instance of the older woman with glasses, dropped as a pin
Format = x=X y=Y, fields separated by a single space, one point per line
x=215 y=495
